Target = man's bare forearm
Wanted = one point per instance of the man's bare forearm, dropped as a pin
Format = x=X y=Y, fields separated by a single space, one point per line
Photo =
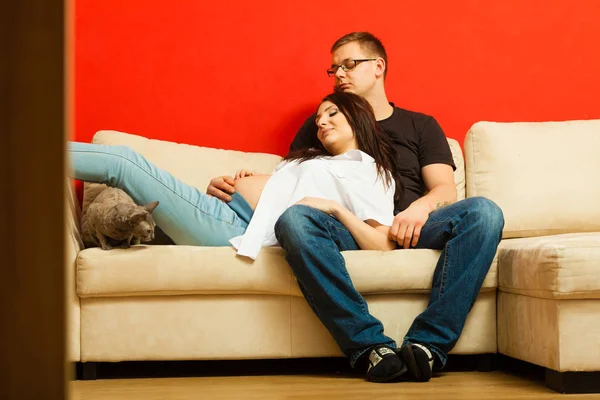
x=440 y=196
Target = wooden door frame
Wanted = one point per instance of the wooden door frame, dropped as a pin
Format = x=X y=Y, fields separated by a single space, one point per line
x=32 y=239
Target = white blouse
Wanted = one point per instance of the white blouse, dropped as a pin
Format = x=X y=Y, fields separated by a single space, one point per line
x=350 y=179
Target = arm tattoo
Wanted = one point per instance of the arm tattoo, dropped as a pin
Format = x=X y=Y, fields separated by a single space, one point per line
x=440 y=205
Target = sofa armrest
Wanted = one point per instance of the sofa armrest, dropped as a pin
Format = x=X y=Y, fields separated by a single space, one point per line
x=73 y=245
x=72 y=219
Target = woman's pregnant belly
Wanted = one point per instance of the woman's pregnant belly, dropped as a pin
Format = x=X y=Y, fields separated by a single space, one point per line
x=251 y=187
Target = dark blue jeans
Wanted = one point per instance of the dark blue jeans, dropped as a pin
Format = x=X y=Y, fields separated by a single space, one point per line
x=467 y=232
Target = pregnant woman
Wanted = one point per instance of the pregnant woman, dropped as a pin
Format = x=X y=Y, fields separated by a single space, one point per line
x=351 y=177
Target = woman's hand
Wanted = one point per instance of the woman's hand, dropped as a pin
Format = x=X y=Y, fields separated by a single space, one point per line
x=243 y=173
x=327 y=206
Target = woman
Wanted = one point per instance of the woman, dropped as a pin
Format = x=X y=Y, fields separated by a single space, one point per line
x=352 y=177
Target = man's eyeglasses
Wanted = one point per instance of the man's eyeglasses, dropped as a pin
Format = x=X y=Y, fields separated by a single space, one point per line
x=347 y=65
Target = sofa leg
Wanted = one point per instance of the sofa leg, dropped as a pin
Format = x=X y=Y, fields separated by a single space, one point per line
x=485 y=362
x=573 y=382
x=88 y=371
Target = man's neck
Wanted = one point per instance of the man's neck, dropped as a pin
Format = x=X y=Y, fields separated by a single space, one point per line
x=381 y=105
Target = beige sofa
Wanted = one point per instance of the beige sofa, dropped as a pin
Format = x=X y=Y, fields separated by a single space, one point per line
x=155 y=302
x=545 y=177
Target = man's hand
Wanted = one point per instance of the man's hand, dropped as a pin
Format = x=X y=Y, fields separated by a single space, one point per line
x=243 y=173
x=407 y=225
x=221 y=188
x=327 y=206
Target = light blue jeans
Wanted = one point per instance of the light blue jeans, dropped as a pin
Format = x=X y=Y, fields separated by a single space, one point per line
x=187 y=215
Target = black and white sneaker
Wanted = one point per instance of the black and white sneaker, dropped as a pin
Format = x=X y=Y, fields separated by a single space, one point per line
x=384 y=364
x=419 y=361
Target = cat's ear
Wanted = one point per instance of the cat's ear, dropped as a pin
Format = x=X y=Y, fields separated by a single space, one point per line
x=151 y=206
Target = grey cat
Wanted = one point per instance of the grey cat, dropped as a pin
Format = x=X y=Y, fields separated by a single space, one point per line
x=114 y=220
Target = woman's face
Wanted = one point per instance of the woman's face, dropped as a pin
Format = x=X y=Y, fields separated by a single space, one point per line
x=334 y=131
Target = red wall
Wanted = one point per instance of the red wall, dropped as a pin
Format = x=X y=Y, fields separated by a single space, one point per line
x=245 y=74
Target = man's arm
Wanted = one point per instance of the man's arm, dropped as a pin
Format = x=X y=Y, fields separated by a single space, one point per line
x=439 y=181
x=438 y=178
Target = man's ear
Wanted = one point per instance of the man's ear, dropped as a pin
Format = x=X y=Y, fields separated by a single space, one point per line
x=151 y=206
x=380 y=67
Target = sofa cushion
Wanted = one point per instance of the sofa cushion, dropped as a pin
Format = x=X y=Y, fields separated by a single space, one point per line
x=173 y=270
x=555 y=267
x=540 y=174
x=197 y=165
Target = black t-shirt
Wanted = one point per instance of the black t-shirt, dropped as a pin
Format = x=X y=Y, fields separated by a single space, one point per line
x=418 y=139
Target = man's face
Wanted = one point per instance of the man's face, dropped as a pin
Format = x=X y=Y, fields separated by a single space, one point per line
x=359 y=80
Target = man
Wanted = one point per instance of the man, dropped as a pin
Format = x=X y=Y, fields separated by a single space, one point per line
x=428 y=216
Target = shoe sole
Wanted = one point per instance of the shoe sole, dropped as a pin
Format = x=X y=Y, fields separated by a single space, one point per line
x=389 y=378
x=408 y=357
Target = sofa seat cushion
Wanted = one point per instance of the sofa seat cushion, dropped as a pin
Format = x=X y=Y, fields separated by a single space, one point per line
x=178 y=270
x=554 y=267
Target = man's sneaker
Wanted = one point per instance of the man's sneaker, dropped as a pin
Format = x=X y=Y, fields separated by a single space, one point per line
x=419 y=361
x=384 y=364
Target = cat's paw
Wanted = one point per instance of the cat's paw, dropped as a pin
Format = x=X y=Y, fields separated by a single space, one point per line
x=106 y=247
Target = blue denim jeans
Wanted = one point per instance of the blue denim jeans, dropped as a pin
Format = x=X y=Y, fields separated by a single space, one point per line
x=467 y=232
x=187 y=215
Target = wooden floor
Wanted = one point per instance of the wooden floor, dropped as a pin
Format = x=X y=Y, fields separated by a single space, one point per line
x=446 y=386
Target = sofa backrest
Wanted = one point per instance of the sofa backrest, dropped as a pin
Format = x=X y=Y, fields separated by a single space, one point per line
x=541 y=174
x=197 y=165
x=459 y=173
x=194 y=165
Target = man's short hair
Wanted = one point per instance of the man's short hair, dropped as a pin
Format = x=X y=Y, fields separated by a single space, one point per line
x=368 y=43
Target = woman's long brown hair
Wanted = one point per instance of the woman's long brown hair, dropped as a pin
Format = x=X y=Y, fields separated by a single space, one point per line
x=370 y=138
